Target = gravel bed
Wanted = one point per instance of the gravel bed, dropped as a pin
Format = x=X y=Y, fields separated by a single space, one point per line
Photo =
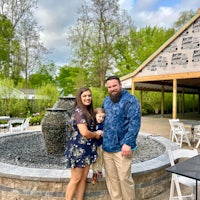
x=28 y=150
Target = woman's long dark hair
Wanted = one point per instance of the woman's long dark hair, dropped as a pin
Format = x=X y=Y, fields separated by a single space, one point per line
x=88 y=111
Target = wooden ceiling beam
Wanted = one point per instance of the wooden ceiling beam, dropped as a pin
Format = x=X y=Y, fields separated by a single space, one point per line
x=167 y=77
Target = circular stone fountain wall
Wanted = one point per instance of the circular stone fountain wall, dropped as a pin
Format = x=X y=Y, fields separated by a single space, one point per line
x=27 y=172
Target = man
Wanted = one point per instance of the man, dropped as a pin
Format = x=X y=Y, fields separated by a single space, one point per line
x=121 y=127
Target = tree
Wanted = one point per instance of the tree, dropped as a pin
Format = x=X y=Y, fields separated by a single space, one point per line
x=6 y=36
x=16 y=9
x=71 y=78
x=38 y=79
x=46 y=95
x=31 y=47
x=184 y=17
x=26 y=53
x=92 y=39
x=44 y=75
x=12 y=101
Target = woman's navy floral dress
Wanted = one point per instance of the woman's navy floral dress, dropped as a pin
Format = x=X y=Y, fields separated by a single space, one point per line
x=80 y=151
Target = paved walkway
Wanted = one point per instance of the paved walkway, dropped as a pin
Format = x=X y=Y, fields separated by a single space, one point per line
x=157 y=125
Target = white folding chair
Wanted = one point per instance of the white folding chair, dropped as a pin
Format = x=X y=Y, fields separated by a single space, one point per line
x=171 y=123
x=4 y=126
x=26 y=124
x=179 y=134
x=19 y=125
x=197 y=135
x=16 y=125
x=177 y=180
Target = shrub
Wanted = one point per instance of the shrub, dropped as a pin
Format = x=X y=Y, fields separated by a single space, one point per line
x=36 y=118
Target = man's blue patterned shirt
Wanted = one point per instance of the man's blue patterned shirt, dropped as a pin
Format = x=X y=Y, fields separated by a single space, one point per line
x=122 y=122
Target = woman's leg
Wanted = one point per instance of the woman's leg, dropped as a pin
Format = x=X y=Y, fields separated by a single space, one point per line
x=72 y=186
x=82 y=183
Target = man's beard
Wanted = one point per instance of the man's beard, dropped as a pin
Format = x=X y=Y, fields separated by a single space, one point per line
x=116 y=98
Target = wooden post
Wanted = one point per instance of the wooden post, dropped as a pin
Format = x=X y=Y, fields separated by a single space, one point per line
x=174 y=105
x=199 y=103
x=162 y=101
x=193 y=103
x=133 y=87
x=141 y=101
x=183 y=101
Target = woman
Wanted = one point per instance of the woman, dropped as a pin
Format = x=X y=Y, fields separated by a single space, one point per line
x=81 y=150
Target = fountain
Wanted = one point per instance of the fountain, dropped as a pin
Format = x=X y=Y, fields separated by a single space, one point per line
x=56 y=125
x=28 y=171
x=54 y=129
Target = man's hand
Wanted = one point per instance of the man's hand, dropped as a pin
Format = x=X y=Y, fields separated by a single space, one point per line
x=126 y=150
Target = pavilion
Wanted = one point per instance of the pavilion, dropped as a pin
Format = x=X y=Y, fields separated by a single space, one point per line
x=174 y=67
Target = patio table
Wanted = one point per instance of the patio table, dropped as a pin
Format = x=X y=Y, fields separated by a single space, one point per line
x=189 y=168
x=191 y=123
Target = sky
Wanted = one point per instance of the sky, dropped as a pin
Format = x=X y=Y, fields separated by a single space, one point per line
x=55 y=17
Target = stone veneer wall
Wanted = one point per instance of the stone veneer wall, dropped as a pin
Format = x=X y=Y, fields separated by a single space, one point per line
x=147 y=185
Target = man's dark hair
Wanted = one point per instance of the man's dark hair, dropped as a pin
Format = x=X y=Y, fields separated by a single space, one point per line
x=113 y=78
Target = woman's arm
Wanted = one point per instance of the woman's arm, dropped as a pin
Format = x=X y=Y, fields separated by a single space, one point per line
x=86 y=133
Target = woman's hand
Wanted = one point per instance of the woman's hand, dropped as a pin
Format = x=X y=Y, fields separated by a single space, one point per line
x=99 y=132
x=88 y=134
x=97 y=135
